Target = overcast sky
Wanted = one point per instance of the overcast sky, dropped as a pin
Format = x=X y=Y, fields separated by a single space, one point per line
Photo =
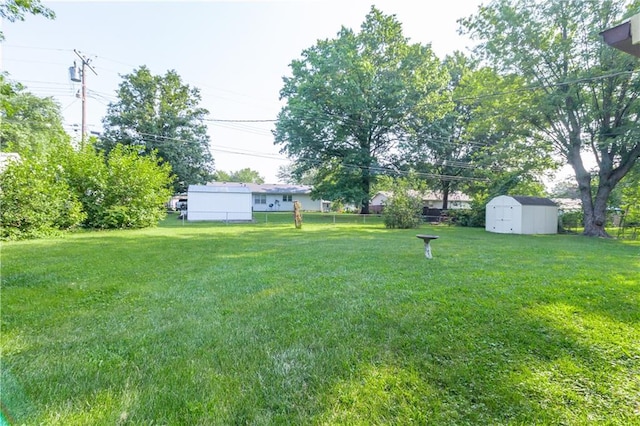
x=235 y=52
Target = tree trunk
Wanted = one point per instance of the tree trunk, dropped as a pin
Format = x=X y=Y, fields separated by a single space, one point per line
x=594 y=211
x=594 y=219
x=366 y=189
x=445 y=195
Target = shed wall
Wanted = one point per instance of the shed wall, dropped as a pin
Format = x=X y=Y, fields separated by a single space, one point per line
x=505 y=215
x=539 y=220
x=219 y=206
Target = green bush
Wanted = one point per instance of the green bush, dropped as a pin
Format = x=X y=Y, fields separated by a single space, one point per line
x=42 y=197
x=36 y=200
x=124 y=190
x=571 y=219
x=466 y=217
x=473 y=217
x=402 y=210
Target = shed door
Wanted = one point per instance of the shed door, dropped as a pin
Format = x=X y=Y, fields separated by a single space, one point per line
x=504 y=219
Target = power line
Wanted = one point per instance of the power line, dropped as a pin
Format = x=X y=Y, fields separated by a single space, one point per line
x=220 y=120
x=350 y=166
x=37 y=48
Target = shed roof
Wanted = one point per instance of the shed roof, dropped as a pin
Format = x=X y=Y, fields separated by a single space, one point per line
x=533 y=201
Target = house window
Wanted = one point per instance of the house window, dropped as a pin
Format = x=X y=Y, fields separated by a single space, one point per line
x=286 y=198
x=260 y=199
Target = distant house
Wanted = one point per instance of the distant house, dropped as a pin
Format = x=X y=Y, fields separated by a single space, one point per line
x=521 y=215
x=277 y=197
x=431 y=200
x=568 y=204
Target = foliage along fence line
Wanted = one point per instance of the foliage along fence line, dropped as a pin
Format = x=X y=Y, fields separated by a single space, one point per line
x=85 y=189
x=466 y=218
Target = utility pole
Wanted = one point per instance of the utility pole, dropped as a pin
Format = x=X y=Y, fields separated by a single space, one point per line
x=73 y=72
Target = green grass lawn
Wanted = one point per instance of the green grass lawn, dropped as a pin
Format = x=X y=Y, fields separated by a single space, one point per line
x=204 y=324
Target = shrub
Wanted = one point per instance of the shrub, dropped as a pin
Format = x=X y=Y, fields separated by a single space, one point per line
x=402 y=210
x=36 y=201
x=570 y=219
x=41 y=197
x=124 y=190
x=473 y=217
x=465 y=217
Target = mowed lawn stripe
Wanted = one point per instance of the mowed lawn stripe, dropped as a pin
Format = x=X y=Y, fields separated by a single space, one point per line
x=330 y=324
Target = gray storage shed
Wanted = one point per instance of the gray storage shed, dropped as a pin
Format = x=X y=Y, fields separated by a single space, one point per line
x=515 y=214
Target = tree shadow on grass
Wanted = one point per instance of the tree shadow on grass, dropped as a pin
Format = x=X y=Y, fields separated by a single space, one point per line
x=501 y=367
x=329 y=326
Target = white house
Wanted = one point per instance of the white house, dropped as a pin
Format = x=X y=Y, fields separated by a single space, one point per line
x=521 y=215
x=221 y=203
x=431 y=200
x=278 y=197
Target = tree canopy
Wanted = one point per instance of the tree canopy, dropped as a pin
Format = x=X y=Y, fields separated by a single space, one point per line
x=348 y=103
x=584 y=93
x=29 y=125
x=475 y=145
x=243 y=175
x=161 y=114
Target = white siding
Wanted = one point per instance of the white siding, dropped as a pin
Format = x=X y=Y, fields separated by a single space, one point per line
x=378 y=199
x=278 y=204
x=540 y=220
x=505 y=215
x=211 y=203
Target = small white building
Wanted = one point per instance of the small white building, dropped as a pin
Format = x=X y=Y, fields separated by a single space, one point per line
x=219 y=203
x=521 y=215
x=278 y=197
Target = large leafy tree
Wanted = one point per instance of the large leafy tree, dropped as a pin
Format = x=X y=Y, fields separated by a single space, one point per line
x=161 y=114
x=348 y=102
x=475 y=146
x=288 y=173
x=243 y=175
x=440 y=148
x=29 y=125
x=506 y=158
x=586 y=93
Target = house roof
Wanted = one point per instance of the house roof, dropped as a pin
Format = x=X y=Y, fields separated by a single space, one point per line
x=266 y=188
x=625 y=36
x=533 y=201
x=219 y=188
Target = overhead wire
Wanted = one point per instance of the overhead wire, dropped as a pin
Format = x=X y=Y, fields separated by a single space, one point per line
x=241 y=124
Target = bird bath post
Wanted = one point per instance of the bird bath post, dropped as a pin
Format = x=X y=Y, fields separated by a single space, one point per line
x=427 y=248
